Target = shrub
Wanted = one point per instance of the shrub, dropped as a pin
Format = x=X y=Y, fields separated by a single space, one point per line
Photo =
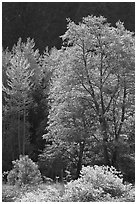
x=4 y=176
x=50 y=194
x=9 y=193
x=24 y=172
x=76 y=191
x=15 y=193
x=104 y=177
x=129 y=196
x=98 y=183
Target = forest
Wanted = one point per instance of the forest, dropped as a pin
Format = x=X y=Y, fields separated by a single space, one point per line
x=69 y=113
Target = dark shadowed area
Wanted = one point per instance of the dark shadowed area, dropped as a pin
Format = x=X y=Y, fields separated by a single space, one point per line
x=46 y=21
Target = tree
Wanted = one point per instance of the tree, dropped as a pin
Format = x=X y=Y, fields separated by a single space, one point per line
x=19 y=85
x=71 y=116
x=92 y=86
x=105 y=58
x=36 y=109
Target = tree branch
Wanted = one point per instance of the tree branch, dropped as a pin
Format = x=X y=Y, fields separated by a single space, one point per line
x=90 y=84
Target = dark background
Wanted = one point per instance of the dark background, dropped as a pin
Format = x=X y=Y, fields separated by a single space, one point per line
x=46 y=21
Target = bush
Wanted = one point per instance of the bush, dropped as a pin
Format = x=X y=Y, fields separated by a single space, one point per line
x=15 y=193
x=4 y=176
x=104 y=177
x=50 y=194
x=24 y=172
x=9 y=193
x=98 y=183
x=129 y=196
x=75 y=191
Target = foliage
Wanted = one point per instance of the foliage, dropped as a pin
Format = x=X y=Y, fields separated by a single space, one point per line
x=57 y=158
x=10 y=193
x=24 y=101
x=24 y=171
x=85 y=91
x=91 y=96
x=17 y=98
x=14 y=193
x=44 y=193
x=98 y=183
x=104 y=177
x=129 y=196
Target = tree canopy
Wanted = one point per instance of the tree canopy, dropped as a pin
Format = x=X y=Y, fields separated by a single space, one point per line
x=73 y=106
x=92 y=88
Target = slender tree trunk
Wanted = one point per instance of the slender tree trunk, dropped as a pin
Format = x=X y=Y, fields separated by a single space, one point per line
x=61 y=174
x=62 y=186
x=19 y=146
x=117 y=133
x=115 y=151
x=3 y=131
x=79 y=164
x=106 y=155
x=12 y=142
x=24 y=130
x=114 y=161
x=105 y=140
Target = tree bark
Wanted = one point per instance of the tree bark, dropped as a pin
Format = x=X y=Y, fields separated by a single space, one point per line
x=105 y=140
x=19 y=146
x=106 y=155
x=114 y=161
x=24 y=131
x=79 y=164
x=117 y=133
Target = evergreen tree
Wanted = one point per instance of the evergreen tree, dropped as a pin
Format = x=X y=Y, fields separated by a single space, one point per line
x=18 y=99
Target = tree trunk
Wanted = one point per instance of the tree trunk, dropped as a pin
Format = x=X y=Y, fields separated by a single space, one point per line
x=106 y=155
x=117 y=133
x=12 y=145
x=61 y=175
x=19 y=146
x=114 y=161
x=24 y=130
x=62 y=186
x=79 y=164
x=105 y=140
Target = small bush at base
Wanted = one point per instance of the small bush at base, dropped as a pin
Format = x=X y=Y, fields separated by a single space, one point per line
x=50 y=194
x=9 y=193
x=25 y=171
x=14 y=193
